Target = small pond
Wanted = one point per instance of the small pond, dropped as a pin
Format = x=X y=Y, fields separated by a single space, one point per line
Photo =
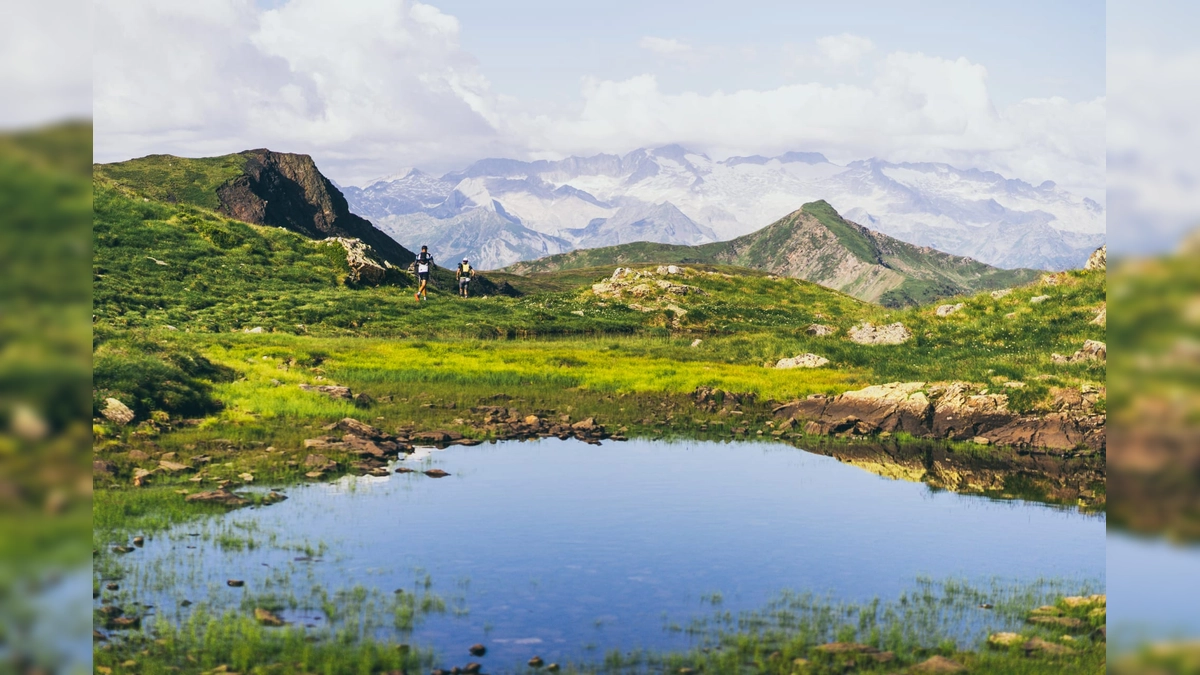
x=1153 y=588
x=568 y=550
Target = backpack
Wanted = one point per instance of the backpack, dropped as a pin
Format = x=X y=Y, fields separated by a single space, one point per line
x=424 y=261
x=465 y=269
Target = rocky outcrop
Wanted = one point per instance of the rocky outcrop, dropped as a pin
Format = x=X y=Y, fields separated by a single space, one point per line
x=365 y=266
x=286 y=190
x=947 y=310
x=891 y=334
x=954 y=410
x=1093 y=350
x=1098 y=260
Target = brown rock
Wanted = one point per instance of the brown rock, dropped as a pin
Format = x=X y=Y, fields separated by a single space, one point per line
x=938 y=664
x=102 y=467
x=1037 y=646
x=173 y=467
x=436 y=473
x=138 y=455
x=219 y=496
x=477 y=649
x=317 y=460
x=235 y=583
x=536 y=662
x=361 y=429
x=331 y=390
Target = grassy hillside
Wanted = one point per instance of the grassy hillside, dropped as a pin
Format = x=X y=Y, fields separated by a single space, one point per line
x=816 y=244
x=171 y=179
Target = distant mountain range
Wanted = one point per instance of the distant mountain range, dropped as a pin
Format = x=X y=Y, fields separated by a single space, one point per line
x=816 y=244
x=501 y=211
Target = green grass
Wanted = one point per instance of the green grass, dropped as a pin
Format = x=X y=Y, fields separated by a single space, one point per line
x=166 y=178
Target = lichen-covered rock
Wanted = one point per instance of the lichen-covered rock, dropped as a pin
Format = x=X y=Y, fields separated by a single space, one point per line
x=891 y=334
x=947 y=310
x=117 y=412
x=802 y=361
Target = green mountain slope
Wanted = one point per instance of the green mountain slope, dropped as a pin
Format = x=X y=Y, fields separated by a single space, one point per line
x=260 y=187
x=818 y=245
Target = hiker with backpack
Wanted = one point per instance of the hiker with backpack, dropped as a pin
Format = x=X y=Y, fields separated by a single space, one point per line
x=423 y=265
x=464 y=274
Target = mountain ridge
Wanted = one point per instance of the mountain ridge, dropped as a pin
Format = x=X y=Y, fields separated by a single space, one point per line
x=967 y=212
x=816 y=244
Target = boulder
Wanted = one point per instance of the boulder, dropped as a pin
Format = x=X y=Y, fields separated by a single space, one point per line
x=1098 y=260
x=365 y=267
x=1038 y=299
x=138 y=456
x=891 y=334
x=819 y=330
x=117 y=412
x=477 y=649
x=802 y=361
x=102 y=467
x=1001 y=293
x=947 y=310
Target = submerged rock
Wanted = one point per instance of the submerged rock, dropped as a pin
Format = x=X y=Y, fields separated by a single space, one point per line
x=436 y=473
x=477 y=650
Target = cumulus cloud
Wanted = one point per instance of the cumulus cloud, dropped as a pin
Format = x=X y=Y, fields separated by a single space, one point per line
x=915 y=108
x=1153 y=137
x=664 y=46
x=389 y=85
x=357 y=89
x=845 y=48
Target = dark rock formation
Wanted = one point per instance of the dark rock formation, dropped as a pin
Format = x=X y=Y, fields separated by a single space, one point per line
x=286 y=190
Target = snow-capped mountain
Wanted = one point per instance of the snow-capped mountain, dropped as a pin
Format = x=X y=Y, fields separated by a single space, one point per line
x=672 y=195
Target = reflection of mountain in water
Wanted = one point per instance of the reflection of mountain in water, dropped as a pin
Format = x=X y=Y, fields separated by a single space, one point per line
x=1034 y=477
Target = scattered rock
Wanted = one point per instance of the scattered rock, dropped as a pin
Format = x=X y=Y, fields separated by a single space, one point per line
x=553 y=667
x=273 y=497
x=1038 y=299
x=365 y=266
x=1001 y=293
x=256 y=329
x=1015 y=384
x=472 y=668
x=947 y=310
x=320 y=461
x=981 y=440
x=436 y=473
x=802 y=361
x=892 y=334
x=363 y=400
x=938 y=664
x=138 y=455
x=1093 y=350
x=141 y=477
x=122 y=549
x=173 y=467
x=405 y=469
x=139 y=541
x=219 y=496
x=112 y=587
x=235 y=583
x=1098 y=260
x=477 y=649
x=1085 y=601
x=101 y=467
x=536 y=662
x=266 y=617
x=697 y=342
x=1065 y=622
x=585 y=425
x=1101 y=316
x=330 y=390
x=819 y=330
x=1038 y=646
x=115 y=411
x=1004 y=640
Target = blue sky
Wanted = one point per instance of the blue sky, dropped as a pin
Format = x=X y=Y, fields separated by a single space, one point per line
x=541 y=48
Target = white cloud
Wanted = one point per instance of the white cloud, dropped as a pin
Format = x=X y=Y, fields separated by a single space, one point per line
x=388 y=84
x=664 y=46
x=357 y=89
x=916 y=108
x=45 y=62
x=845 y=48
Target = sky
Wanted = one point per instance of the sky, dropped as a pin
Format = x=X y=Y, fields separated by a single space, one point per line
x=374 y=86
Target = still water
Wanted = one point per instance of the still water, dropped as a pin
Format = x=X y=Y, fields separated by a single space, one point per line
x=567 y=550
x=1152 y=589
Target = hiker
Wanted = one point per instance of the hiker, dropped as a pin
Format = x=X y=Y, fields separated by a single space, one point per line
x=424 y=265
x=464 y=273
